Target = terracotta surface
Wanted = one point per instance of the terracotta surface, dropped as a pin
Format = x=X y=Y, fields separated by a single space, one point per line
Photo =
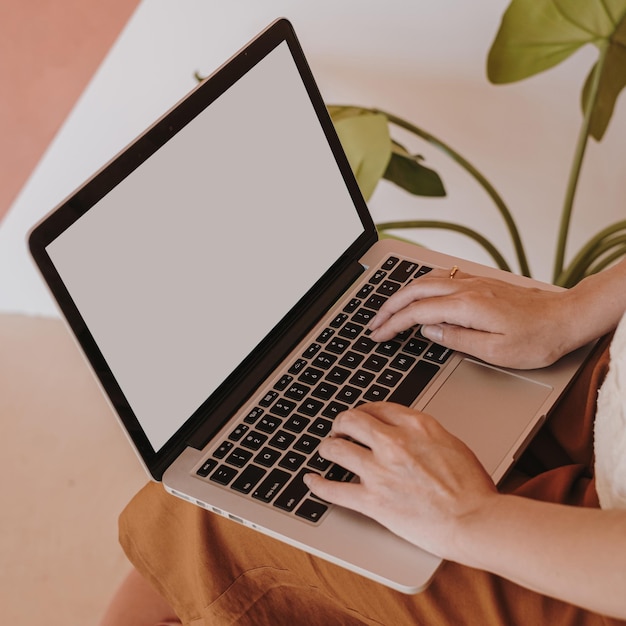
x=60 y=558
x=48 y=52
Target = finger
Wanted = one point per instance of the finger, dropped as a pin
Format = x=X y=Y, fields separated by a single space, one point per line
x=423 y=301
x=456 y=337
x=350 y=455
x=343 y=494
x=420 y=288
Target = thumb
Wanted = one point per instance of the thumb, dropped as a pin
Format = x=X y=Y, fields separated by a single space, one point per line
x=454 y=337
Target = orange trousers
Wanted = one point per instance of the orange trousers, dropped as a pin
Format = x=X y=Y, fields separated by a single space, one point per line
x=214 y=571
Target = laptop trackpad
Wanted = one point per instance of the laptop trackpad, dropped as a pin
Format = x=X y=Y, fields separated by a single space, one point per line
x=487 y=408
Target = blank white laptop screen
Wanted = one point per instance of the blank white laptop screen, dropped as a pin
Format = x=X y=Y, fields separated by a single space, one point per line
x=221 y=223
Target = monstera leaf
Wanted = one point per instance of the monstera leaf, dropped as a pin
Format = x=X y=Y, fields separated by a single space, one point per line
x=536 y=35
x=372 y=154
x=365 y=139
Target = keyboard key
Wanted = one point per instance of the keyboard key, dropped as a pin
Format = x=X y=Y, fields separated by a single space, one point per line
x=293 y=494
x=248 y=479
x=311 y=375
x=375 y=363
x=352 y=306
x=377 y=277
x=324 y=391
x=292 y=461
x=223 y=450
x=390 y=263
x=297 y=367
x=319 y=463
x=423 y=270
x=239 y=457
x=333 y=409
x=284 y=381
x=414 y=383
x=351 y=359
x=338 y=375
x=297 y=391
x=254 y=415
x=375 y=301
x=268 y=398
x=403 y=271
x=337 y=346
x=296 y=423
x=325 y=335
x=254 y=440
x=312 y=510
x=271 y=485
x=376 y=393
x=282 y=407
x=281 y=440
x=268 y=424
x=348 y=394
x=206 y=468
x=311 y=351
x=388 y=348
x=363 y=316
x=306 y=443
x=339 y=474
x=324 y=360
x=415 y=346
x=402 y=362
x=223 y=474
x=437 y=353
x=320 y=427
x=339 y=320
x=238 y=433
x=388 y=288
x=267 y=457
x=365 y=291
x=362 y=379
x=404 y=335
x=310 y=407
x=364 y=345
x=389 y=378
x=351 y=330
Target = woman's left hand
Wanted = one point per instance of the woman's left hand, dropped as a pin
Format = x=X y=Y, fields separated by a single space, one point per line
x=415 y=478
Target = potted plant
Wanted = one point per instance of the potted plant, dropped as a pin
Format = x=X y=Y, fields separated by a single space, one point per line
x=534 y=36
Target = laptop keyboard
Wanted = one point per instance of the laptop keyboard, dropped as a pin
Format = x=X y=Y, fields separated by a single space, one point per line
x=266 y=455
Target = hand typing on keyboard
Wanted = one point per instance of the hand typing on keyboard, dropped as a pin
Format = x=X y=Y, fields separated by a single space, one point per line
x=415 y=478
x=503 y=324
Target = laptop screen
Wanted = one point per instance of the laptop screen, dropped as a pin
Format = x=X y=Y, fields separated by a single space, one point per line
x=184 y=266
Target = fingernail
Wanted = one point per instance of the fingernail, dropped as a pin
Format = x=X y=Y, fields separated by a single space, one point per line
x=434 y=332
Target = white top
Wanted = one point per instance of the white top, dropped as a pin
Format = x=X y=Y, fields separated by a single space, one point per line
x=610 y=428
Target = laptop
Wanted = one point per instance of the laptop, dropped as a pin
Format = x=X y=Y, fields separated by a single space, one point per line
x=219 y=274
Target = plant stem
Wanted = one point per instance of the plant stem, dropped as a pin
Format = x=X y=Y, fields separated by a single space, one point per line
x=483 y=182
x=485 y=243
x=579 y=153
x=588 y=254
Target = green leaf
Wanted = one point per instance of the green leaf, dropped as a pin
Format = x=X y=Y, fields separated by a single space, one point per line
x=612 y=81
x=536 y=35
x=365 y=138
x=407 y=171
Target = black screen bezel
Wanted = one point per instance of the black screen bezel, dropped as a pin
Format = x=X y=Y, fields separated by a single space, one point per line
x=249 y=374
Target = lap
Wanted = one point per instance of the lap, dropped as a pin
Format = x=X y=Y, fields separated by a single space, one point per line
x=215 y=571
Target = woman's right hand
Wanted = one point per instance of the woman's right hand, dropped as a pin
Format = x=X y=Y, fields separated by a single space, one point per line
x=496 y=321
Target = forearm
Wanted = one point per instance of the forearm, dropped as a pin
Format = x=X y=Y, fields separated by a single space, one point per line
x=596 y=304
x=575 y=554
